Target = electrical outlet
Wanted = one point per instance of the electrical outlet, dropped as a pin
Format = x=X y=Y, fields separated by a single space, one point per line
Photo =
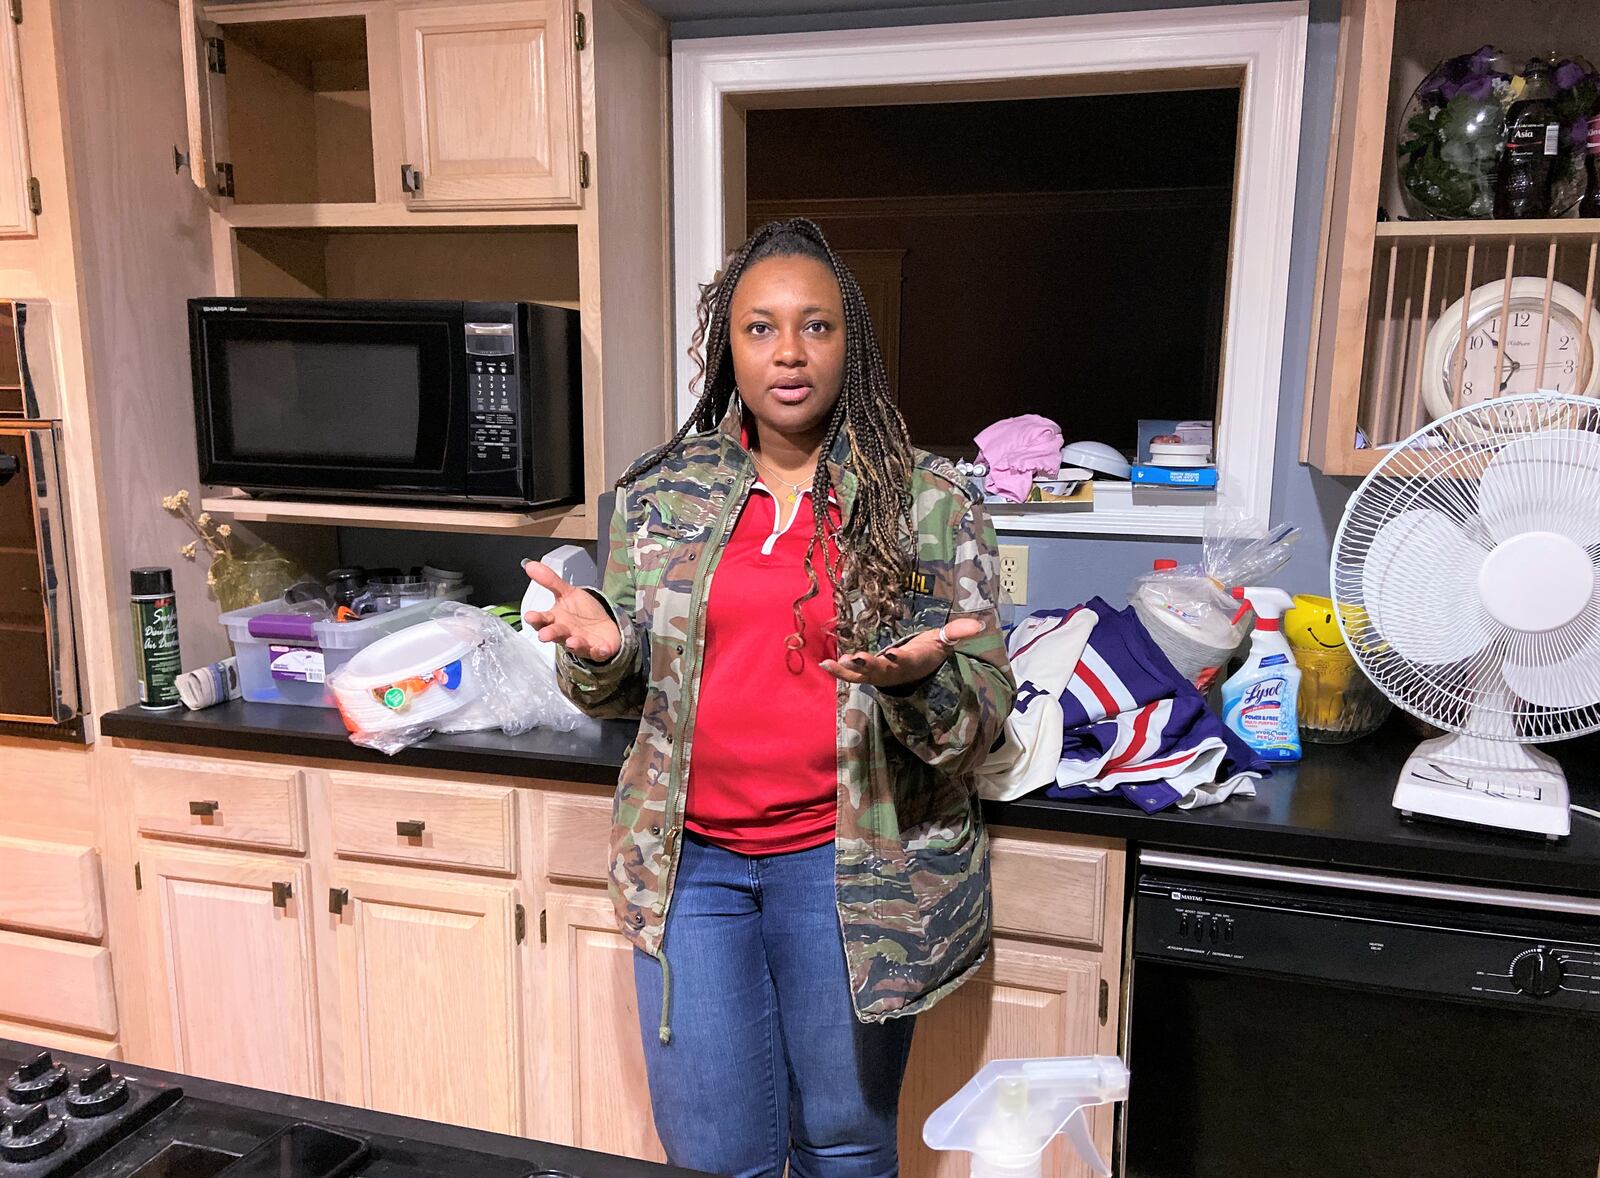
x=1014 y=572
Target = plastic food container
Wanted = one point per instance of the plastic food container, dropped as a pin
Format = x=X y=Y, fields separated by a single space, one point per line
x=286 y=653
x=1098 y=457
x=416 y=676
x=1337 y=702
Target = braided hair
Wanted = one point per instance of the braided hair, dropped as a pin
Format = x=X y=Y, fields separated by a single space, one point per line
x=874 y=550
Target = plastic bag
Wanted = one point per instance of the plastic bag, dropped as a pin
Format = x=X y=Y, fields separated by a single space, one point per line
x=469 y=672
x=1190 y=610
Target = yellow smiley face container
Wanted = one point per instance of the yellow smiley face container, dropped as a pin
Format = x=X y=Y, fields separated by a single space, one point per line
x=1337 y=702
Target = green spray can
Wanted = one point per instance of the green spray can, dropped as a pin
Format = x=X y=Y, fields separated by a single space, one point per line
x=155 y=639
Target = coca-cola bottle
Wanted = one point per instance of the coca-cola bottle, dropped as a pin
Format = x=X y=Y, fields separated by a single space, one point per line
x=1590 y=205
x=1533 y=137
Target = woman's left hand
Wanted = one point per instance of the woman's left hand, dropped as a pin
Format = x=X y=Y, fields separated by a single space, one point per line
x=909 y=662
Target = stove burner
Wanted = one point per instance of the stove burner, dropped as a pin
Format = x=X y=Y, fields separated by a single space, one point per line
x=31 y=1135
x=41 y=1078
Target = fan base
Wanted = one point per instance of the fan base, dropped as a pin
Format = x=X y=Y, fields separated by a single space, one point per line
x=1485 y=783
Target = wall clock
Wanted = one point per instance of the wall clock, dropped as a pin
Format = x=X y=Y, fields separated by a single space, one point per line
x=1489 y=322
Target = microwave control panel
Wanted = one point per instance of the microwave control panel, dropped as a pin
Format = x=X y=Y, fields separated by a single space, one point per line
x=493 y=384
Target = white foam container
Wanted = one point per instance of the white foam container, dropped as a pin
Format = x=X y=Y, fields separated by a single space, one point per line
x=417 y=650
x=338 y=641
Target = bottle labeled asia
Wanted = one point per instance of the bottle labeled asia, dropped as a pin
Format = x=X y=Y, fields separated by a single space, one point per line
x=155 y=638
x=1590 y=205
x=1533 y=139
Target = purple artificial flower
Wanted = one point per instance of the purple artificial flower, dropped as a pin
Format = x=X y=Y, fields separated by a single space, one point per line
x=1483 y=61
x=1568 y=74
x=1578 y=135
x=1480 y=87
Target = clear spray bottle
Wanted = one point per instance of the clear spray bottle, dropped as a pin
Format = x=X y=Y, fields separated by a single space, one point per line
x=1006 y=1114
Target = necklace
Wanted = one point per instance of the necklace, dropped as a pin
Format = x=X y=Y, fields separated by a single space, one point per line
x=794 y=488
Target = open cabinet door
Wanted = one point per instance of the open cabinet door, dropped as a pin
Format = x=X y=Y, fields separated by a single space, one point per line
x=16 y=196
x=206 y=101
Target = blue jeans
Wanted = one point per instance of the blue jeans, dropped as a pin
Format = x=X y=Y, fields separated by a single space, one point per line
x=767 y=1062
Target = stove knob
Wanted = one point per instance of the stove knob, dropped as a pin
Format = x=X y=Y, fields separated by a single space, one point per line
x=38 y=1079
x=32 y=1135
x=97 y=1092
x=1537 y=973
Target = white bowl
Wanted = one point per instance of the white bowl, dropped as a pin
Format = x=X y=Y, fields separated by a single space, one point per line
x=1098 y=457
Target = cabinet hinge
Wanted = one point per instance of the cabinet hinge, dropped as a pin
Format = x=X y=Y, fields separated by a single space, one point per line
x=580 y=32
x=583 y=169
x=522 y=924
x=544 y=926
x=35 y=201
x=216 y=55
x=1105 y=1001
x=16 y=11
x=225 y=180
x=138 y=878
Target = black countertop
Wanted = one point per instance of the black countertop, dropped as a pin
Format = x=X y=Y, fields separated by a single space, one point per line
x=1331 y=809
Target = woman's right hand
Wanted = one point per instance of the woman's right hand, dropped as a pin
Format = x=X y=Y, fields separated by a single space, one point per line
x=575 y=619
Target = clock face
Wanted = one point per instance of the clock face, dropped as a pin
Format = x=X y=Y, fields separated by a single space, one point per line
x=1566 y=361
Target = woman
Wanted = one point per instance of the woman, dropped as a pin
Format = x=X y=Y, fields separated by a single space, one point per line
x=829 y=787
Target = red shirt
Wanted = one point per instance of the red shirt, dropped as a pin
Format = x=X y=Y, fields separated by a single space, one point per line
x=763 y=769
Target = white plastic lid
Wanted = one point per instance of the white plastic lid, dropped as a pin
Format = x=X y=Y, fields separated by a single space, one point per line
x=416 y=650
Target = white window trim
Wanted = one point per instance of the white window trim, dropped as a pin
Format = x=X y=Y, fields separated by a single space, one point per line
x=1264 y=40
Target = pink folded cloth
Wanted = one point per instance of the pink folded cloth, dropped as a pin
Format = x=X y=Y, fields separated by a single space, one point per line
x=1016 y=449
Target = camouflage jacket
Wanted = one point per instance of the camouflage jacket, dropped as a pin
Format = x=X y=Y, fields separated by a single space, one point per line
x=912 y=855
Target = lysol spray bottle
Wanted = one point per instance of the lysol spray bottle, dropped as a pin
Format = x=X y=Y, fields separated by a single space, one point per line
x=1259 y=702
x=155 y=638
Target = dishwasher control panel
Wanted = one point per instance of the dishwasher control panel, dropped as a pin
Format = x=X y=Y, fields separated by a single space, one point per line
x=1473 y=953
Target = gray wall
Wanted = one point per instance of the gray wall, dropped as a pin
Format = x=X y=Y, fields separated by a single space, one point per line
x=1065 y=571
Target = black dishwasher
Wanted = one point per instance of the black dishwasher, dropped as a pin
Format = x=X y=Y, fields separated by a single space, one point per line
x=1287 y=1020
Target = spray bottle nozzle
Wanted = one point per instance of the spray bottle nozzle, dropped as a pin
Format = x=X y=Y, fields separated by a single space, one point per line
x=1009 y=1112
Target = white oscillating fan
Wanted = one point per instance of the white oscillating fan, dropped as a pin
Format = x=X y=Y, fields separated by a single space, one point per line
x=1466 y=582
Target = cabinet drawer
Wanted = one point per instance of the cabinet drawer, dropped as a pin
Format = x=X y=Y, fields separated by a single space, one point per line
x=217 y=801
x=1049 y=888
x=51 y=887
x=438 y=822
x=577 y=833
x=57 y=982
x=60 y=1040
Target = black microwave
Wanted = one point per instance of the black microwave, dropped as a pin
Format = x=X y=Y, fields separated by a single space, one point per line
x=403 y=400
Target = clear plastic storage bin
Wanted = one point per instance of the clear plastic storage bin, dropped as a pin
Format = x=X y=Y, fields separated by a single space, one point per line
x=293 y=665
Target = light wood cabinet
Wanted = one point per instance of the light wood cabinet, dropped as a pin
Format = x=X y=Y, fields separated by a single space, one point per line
x=490 y=104
x=593 y=1027
x=51 y=887
x=229 y=953
x=211 y=800
x=429 y=983
x=57 y=982
x=16 y=174
x=480 y=978
x=448 y=824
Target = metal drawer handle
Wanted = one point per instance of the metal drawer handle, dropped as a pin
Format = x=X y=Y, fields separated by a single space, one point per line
x=203 y=809
x=281 y=893
x=337 y=899
x=410 y=828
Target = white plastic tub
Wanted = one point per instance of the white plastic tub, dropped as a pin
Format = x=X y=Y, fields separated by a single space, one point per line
x=294 y=670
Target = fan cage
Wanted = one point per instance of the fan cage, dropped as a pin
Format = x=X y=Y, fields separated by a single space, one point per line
x=1446 y=677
